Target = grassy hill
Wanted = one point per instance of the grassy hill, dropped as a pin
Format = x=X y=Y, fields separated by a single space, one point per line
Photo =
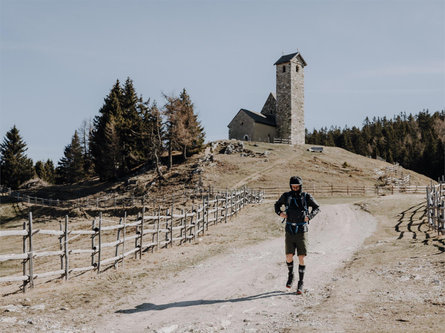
x=331 y=167
x=255 y=165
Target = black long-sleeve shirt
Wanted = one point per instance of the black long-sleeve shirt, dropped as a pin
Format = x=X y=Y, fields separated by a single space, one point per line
x=297 y=206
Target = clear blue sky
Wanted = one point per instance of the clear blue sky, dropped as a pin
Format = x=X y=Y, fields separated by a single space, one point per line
x=59 y=59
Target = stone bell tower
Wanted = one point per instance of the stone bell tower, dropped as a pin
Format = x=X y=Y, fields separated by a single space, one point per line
x=290 y=98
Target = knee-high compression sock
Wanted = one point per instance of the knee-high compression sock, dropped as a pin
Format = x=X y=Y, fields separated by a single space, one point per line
x=290 y=266
x=301 y=269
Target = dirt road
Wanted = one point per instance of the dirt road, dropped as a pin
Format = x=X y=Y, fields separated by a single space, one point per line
x=243 y=290
x=365 y=273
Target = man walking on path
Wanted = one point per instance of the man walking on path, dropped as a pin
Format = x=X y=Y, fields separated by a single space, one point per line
x=297 y=217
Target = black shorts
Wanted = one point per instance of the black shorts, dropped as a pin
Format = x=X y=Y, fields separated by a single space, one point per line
x=297 y=241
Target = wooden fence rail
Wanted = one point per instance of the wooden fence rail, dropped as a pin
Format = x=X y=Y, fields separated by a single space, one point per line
x=435 y=199
x=345 y=190
x=112 y=200
x=155 y=229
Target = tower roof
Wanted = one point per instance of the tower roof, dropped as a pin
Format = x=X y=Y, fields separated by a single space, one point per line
x=289 y=57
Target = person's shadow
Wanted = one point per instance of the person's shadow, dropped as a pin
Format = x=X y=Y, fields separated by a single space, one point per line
x=158 y=307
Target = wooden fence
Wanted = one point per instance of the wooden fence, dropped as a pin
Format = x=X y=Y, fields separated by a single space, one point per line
x=345 y=190
x=113 y=200
x=113 y=241
x=283 y=141
x=435 y=198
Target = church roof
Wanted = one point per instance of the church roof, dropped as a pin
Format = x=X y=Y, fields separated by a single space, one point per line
x=289 y=57
x=261 y=118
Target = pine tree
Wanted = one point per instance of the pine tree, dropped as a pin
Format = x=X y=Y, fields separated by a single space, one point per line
x=40 y=170
x=85 y=131
x=70 y=168
x=105 y=138
x=191 y=133
x=112 y=158
x=50 y=172
x=130 y=128
x=45 y=171
x=15 y=167
x=172 y=125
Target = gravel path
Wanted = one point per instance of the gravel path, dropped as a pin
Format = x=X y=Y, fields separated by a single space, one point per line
x=243 y=290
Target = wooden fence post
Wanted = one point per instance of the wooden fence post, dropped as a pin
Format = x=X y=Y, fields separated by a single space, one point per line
x=217 y=209
x=124 y=231
x=61 y=244
x=207 y=212
x=136 y=240
x=30 y=253
x=231 y=204
x=93 y=242
x=171 y=221
x=166 y=227
x=226 y=208
x=66 y=249
x=203 y=224
x=184 y=225
x=142 y=232
x=117 y=245
x=158 y=227
x=194 y=224
x=99 y=253
x=25 y=261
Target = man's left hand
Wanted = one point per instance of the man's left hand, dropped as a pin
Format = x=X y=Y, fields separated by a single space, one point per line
x=306 y=219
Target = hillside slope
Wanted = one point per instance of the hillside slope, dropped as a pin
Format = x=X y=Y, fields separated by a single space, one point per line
x=332 y=166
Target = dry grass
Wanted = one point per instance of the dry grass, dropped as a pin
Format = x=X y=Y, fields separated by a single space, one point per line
x=72 y=305
x=394 y=283
x=333 y=166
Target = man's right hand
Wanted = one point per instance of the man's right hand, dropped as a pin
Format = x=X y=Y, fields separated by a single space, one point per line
x=283 y=215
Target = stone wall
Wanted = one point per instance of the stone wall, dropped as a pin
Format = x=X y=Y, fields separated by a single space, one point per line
x=263 y=133
x=240 y=126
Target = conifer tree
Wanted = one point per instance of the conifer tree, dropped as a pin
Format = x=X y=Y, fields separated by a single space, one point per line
x=191 y=133
x=70 y=168
x=15 y=167
x=172 y=125
x=129 y=131
x=40 y=170
x=45 y=171
x=85 y=132
x=416 y=142
x=49 y=171
x=105 y=140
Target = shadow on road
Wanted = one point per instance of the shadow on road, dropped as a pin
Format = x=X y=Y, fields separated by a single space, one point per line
x=157 y=307
x=416 y=216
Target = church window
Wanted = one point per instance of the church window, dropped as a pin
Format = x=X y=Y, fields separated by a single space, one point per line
x=284 y=68
x=242 y=123
x=296 y=68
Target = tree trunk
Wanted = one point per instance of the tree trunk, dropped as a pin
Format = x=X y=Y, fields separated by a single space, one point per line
x=158 y=169
x=170 y=157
